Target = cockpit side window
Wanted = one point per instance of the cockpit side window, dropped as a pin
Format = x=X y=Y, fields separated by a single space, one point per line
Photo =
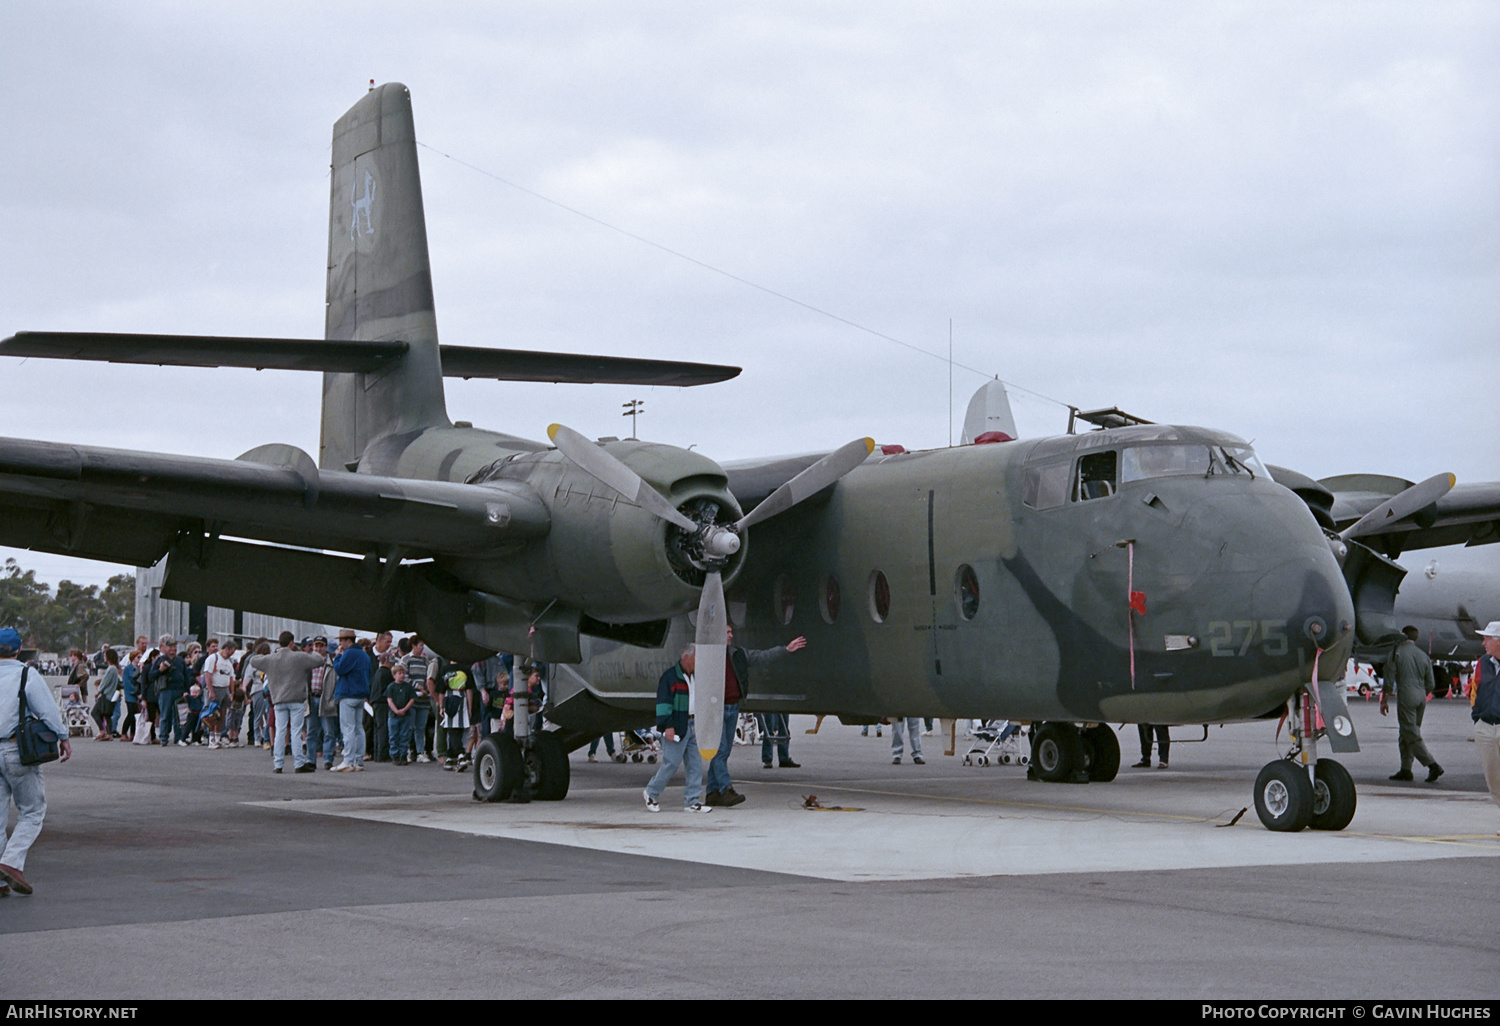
x=1096 y=476
x=1147 y=461
x=1047 y=485
x=1140 y=463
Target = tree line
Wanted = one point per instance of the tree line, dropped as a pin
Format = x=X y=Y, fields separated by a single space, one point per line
x=71 y=616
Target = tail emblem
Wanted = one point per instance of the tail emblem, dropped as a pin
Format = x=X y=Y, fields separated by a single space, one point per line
x=362 y=205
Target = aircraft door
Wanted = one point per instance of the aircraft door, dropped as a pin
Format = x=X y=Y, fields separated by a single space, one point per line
x=944 y=611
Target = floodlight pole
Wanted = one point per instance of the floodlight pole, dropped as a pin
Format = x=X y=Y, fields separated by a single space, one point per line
x=631 y=409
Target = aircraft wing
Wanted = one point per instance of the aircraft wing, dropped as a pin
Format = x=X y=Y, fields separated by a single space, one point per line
x=130 y=507
x=1468 y=515
x=751 y=481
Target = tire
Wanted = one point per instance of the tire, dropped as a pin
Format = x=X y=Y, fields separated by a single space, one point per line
x=1104 y=753
x=1283 y=796
x=497 y=767
x=1334 y=796
x=554 y=771
x=1057 y=752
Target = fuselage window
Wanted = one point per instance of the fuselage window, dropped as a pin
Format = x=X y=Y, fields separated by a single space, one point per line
x=1096 y=476
x=1047 y=485
x=830 y=603
x=967 y=583
x=880 y=597
x=784 y=601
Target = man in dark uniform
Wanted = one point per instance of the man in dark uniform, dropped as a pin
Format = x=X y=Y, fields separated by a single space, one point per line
x=1408 y=673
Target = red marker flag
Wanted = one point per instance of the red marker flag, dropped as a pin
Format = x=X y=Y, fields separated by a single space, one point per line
x=1138 y=602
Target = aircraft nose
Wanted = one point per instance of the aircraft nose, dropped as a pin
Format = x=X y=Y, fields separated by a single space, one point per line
x=1308 y=597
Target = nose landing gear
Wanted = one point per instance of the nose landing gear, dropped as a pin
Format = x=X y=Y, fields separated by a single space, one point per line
x=1303 y=790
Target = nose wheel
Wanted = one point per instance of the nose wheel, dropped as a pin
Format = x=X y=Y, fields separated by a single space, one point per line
x=1303 y=790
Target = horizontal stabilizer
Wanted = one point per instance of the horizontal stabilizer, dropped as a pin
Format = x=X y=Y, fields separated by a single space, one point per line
x=206 y=350
x=354 y=357
x=576 y=368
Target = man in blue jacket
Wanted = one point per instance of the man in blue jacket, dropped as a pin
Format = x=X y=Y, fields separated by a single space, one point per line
x=170 y=676
x=679 y=745
x=352 y=666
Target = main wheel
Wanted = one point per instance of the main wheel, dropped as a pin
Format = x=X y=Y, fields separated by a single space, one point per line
x=1283 y=796
x=553 y=771
x=1057 y=751
x=1104 y=753
x=497 y=767
x=1334 y=796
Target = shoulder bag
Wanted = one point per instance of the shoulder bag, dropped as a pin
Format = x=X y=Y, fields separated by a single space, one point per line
x=38 y=743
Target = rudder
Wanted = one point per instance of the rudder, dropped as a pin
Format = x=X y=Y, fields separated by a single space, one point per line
x=379 y=280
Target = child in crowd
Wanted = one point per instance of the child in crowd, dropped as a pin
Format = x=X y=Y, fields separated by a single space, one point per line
x=400 y=698
x=458 y=716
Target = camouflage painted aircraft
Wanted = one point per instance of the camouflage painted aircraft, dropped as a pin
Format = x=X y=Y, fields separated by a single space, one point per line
x=1449 y=604
x=1135 y=573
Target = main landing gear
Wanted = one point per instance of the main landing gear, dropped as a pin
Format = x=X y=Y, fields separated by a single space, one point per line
x=1067 y=753
x=1303 y=790
x=509 y=770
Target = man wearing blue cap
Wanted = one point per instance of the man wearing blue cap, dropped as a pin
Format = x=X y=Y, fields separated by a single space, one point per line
x=18 y=783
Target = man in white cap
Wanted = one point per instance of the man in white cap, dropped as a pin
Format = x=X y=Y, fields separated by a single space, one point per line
x=1484 y=703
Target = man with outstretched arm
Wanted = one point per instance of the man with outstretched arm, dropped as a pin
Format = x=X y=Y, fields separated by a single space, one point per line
x=737 y=664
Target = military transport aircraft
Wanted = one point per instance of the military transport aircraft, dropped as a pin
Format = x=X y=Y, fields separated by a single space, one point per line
x=1135 y=573
x=1448 y=602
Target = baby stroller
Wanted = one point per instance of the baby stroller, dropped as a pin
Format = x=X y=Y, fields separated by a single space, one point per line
x=75 y=713
x=997 y=741
x=640 y=744
x=747 y=730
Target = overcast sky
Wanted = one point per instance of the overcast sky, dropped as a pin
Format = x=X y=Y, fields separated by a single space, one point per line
x=1277 y=219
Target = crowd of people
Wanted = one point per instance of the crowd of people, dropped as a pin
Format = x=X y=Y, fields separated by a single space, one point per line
x=371 y=698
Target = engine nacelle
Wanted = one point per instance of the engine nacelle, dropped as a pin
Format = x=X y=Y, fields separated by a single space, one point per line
x=609 y=558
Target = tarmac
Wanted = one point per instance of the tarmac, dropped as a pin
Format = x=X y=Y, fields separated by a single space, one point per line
x=192 y=873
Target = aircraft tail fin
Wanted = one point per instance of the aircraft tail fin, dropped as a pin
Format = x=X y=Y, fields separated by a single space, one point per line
x=379 y=280
x=989 y=415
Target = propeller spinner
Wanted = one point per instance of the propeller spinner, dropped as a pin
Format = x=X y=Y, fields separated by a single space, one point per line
x=708 y=545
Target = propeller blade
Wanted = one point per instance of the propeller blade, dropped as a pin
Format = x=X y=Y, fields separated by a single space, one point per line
x=617 y=475
x=708 y=669
x=1402 y=504
x=812 y=480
